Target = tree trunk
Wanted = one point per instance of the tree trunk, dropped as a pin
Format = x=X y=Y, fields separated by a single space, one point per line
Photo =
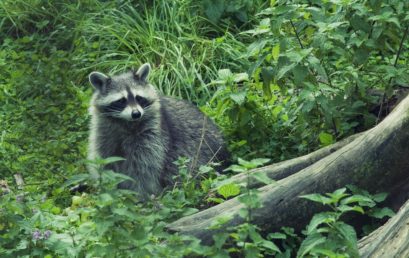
x=375 y=161
x=286 y=168
x=390 y=240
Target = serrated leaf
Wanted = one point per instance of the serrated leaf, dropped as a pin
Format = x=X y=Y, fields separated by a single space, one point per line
x=338 y=194
x=346 y=208
x=256 y=47
x=262 y=178
x=228 y=190
x=215 y=200
x=380 y=197
x=238 y=97
x=75 y=180
x=225 y=74
x=240 y=77
x=190 y=211
x=317 y=198
x=213 y=9
x=276 y=52
x=326 y=139
x=349 y=235
x=270 y=246
x=380 y=213
x=220 y=221
x=284 y=70
x=318 y=219
x=110 y=160
x=361 y=199
x=309 y=243
x=236 y=168
x=259 y=162
x=277 y=236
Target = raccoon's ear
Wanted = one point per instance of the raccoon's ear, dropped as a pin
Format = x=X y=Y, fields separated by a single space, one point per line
x=99 y=80
x=143 y=72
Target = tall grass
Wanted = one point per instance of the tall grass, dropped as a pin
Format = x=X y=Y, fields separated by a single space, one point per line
x=48 y=48
x=168 y=34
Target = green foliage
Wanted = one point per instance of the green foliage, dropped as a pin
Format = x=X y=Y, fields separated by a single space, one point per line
x=326 y=234
x=237 y=10
x=297 y=78
x=313 y=66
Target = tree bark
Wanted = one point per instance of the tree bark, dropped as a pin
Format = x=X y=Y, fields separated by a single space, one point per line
x=286 y=168
x=390 y=240
x=375 y=161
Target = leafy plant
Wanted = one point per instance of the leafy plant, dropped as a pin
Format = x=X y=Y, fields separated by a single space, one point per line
x=327 y=234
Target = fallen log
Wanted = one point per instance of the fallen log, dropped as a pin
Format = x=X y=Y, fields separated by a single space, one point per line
x=375 y=161
x=286 y=168
x=390 y=240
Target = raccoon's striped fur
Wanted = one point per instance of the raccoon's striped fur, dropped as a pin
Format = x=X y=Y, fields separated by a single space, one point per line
x=130 y=119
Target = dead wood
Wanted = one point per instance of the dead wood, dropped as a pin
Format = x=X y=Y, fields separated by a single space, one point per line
x=375 y=161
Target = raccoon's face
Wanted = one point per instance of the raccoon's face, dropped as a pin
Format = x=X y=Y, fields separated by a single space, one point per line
x=127 y=96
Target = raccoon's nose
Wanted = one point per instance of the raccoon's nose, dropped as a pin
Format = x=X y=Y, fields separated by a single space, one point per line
x=136 y=114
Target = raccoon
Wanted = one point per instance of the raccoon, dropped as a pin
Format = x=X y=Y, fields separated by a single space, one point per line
x=132 y=120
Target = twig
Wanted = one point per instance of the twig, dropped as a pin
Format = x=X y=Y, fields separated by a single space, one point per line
x=195 y=160
x=395 y=64
x=296 y=34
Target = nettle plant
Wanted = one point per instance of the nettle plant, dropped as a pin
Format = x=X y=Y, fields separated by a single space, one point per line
x=315 y=68
x=327 y=234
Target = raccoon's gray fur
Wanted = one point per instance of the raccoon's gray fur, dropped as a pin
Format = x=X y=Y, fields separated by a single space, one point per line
x=130 y=119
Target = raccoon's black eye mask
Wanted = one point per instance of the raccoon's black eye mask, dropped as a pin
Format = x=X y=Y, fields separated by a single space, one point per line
x=116 y=106
x=144 y=102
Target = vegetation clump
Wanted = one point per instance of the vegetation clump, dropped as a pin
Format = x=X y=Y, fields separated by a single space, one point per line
x=280 y=78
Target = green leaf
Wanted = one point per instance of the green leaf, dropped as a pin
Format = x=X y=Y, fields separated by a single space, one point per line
x=361 y=199
x=238 y=97
x=317 y=198
x=326 y=139
x=220 y=221
x=267 y=74
x=380 y=197
x=76 y=179
x=261 y=177
x=214 y=9
x=284 y=70
x=228 y=190
x=349 y=235
x=236 y=168
x=255 y=48
x=240 y=77
x=270 y=246
x=320 y=218
x=346 y=208
x=338 y=194
x=276 y=52
x=277 y=236
x=250 y=199
x=309 y=243
x=380 y=213
x=109 y=160
x=259 y=161
x=225 y=74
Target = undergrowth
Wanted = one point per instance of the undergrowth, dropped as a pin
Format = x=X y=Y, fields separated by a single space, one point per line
x=280 y=78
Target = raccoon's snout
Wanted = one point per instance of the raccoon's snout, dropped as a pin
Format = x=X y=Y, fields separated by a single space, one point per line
x=136 y=114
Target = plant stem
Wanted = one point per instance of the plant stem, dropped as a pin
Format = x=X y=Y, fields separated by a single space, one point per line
x=394 y=65
x=296 y=34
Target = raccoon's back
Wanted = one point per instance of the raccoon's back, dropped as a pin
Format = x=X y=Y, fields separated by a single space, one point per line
x=191 y=134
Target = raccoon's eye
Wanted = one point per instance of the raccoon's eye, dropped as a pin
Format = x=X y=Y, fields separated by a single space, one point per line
x=118 y=104
x=121 y=101
x=143 y=101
